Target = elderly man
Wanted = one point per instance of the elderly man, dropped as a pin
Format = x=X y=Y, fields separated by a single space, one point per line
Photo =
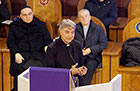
x=27 y=40
x=93 y=40
x=65 y=52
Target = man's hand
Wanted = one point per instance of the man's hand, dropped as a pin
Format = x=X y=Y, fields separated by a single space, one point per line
x=86 y=51
x=45 y=48
x=74 y=70
x=18 y=58
x=82 y=70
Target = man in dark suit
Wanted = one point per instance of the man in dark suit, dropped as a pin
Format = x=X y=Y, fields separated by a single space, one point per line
x=27 y=40
x=65 y=52
x=93 y=40
x=105 y=10
x=4 y=12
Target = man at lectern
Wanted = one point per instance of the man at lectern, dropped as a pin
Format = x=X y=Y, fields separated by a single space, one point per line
x=65 y=52
x=27 y=40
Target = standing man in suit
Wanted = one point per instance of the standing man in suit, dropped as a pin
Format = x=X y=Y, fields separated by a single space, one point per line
x=105 y=10
x=93 y=40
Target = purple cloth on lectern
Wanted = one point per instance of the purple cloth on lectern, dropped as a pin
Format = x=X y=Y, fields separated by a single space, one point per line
x=49 y=79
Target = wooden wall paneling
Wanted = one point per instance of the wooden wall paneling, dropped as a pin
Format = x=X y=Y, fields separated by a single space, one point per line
x=52 y=12
x=120 y=36
x=130 y=29
x=114 y=66
x=106 y=62
x=115 y=60
x=100 y=76
x=113 y=35
x=6 y=75
x=116 y=32
x=16 y=5
x=97 y=77
x=122 y=7
x=0 y=71
x=69 y=7
x=105 y=69
x=130 y=78
x=133 y=9
x=81 y=5
x=93 y=79
x=5 y=60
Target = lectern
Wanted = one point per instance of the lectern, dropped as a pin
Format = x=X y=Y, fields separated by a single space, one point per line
x=45 y=79
x=56 y=79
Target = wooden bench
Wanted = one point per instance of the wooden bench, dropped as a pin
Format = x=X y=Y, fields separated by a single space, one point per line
x=116 y=32
x=130 y=75
x=6 y=81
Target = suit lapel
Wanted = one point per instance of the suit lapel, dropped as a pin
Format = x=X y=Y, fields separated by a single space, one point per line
x=90 y=30
x=80 y=29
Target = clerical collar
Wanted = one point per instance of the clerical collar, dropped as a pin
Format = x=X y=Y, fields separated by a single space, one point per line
x=67 y=45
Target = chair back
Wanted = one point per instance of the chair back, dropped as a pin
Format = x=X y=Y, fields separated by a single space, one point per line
x=9 y=5
x=49 y=9
x=48 y=24
x=132 y=29
x=95 y=20
x=133 y=9
x=81 y=5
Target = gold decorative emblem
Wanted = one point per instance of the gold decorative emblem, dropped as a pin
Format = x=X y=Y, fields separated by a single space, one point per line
x=43 y=2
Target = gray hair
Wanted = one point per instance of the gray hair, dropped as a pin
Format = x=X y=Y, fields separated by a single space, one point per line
x=67 y=23
x=83 y=10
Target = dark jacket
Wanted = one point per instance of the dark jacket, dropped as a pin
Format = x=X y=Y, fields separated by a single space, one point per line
x=105 y=11
x=28 y=39
x=4 y=11
x=58 y=56
x=95 y=40
x=131 y=52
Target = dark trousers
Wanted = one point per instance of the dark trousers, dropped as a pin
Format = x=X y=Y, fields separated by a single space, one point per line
x=91 y=65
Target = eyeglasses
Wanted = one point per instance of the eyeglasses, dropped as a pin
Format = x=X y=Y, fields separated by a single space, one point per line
x=29 y=14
